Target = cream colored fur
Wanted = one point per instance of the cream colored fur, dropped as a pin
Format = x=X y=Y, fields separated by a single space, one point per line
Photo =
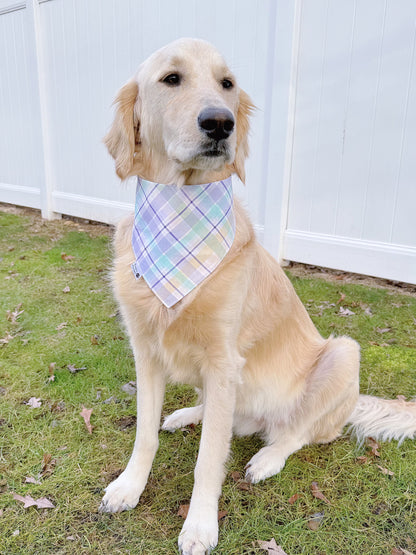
x=243 y=337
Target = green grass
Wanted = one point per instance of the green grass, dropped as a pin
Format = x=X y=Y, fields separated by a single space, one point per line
x=370 y=513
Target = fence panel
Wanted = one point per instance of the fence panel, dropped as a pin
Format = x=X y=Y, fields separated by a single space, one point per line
x=330 y=179
x=353 y=166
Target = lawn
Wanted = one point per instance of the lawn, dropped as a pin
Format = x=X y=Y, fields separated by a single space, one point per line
x=62 y=347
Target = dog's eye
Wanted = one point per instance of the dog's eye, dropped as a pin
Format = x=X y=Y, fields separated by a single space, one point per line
x=173 y=79
x=227 y=84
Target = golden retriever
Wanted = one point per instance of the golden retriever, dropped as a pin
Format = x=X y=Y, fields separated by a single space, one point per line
x=242 y=336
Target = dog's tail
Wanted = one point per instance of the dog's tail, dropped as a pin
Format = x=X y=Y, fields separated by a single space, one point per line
x=383 y=419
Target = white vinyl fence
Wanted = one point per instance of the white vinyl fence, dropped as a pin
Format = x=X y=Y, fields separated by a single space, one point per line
x=331 y=179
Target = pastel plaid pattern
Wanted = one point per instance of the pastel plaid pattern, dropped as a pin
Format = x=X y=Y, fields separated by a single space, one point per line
x=181 y=234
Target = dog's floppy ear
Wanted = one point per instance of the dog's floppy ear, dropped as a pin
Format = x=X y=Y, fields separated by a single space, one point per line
x=121 y=139
x=245 y=109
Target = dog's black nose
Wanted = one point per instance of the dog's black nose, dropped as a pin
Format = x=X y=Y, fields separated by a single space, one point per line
x=217 y=123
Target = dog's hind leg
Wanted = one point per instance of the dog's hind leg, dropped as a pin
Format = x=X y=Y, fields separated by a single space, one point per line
x=330 y=395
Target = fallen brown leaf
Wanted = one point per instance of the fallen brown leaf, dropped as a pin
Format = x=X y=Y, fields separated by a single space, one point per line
x=94 y=340
x=44 y=503
x=5 y=340
x=342 y=297
x=130 y=388
x=48 y=465
x=74 y=370
x=28 y=501
x=293 y=499
x=34 y=403
x=315 y=521
x=316 y=492
x=67 y=257
x=30 y=480
x=271 y=547
x=345 y=311
x=362 y=460
x=86 y=415
x=385 y=471
x=13 y=315
x=222 y=514
x=374 y=446
x=183 y=511
x=241 y=483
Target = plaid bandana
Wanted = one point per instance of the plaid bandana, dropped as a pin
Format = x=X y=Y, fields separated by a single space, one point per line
x=180 y=235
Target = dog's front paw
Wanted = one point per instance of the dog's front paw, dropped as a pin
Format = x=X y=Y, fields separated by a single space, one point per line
x=121 y=495
x=267 y=462
x=198 y=537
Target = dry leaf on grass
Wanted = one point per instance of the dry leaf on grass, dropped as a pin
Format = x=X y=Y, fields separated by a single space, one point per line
x=30 y=480
x=342 y=298
x=129 y=388
x=400 y=551
x=13 y=315
x=345 y=312
x=28 y=501
x=51 y=370
x=48 y=465
x=74 y=370
x=67 y=257
x=385 y=470
x=61 y=326
x=34 y=403
x=95 y=340
x=183 y=511
x=316 y=492
x=271 y=547
x=242 y=484
x=315 y=521
x=383 y=330
x=86 y=415
x=293 y=499
x=5 y=340
x=373 y=445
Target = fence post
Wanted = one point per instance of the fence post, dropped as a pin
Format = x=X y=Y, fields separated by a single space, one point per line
x=33 y=11
x=281 y=113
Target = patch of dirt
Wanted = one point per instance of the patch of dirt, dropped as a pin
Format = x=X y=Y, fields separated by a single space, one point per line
x=126 y=422
x=57 y=228
x=307 y=270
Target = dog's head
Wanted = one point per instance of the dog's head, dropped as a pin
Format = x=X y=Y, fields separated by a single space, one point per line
x=182 y=113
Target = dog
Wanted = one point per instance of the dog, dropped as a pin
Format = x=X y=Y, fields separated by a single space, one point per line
x=241 y=336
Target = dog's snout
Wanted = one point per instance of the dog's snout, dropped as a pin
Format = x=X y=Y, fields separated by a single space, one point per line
x=217 y=123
